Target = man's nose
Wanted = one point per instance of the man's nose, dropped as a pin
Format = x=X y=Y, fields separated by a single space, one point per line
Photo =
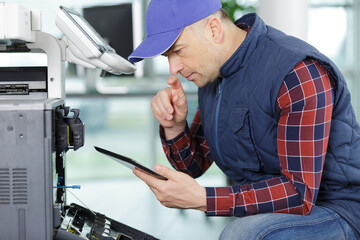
x=175 y=64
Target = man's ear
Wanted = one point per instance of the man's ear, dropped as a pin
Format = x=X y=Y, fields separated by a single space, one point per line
x=216 y=30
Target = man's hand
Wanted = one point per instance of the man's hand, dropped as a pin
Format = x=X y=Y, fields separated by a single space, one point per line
x=179 y=191
x=170 y=108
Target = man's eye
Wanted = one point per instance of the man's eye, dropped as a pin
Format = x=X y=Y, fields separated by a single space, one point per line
x=178 y=51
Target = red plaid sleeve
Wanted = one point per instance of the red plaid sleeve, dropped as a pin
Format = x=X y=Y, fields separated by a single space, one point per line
x=189 y=151
x=305 y=106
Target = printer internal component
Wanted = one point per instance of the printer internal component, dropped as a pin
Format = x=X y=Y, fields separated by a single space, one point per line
x=69 y=129
x=69 y=134
x=81 y=223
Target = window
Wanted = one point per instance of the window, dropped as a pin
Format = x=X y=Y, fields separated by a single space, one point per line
x=333 y=29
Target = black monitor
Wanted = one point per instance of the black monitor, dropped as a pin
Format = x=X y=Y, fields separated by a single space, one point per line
x=115 y=24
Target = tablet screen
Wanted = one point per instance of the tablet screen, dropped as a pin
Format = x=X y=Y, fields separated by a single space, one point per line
x=128 y=162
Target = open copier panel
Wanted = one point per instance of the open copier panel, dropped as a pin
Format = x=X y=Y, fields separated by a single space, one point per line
x=93 y=225
x=35 y=134
x=36 y=131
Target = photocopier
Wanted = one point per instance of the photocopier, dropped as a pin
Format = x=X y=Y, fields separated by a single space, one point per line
x=37 y=129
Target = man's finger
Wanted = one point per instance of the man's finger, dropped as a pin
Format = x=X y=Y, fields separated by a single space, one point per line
x=175 y=83
x=165 y=171
x=151 y=181
x=154 y=190
x=163 y=104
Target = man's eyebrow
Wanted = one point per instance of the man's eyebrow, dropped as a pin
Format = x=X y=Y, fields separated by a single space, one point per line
x=175 y=45
x=169 y=50
x=165 y=53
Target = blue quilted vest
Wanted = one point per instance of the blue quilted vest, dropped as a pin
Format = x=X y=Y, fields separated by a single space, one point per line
x=240 y=120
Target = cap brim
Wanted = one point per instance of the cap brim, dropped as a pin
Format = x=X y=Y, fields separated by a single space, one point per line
x=154 y=45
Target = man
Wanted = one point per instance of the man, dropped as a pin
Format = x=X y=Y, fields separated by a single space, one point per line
x=274 y=114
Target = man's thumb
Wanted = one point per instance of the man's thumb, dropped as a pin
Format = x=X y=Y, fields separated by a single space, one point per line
x=164 y=171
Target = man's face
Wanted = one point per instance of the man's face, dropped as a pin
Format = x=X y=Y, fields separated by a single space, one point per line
x=194 y=57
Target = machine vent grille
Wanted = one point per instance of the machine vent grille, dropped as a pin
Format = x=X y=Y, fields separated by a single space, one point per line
x=20 y=185
x=4 y=186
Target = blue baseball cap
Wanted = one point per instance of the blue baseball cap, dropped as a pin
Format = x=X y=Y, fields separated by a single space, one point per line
x=165 y=19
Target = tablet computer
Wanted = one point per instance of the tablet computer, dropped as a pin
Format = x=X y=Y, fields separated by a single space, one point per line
x=128 y=162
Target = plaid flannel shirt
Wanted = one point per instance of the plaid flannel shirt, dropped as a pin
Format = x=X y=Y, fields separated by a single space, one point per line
x=304 y=103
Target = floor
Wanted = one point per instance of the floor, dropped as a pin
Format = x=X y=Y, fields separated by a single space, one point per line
x=131 y=202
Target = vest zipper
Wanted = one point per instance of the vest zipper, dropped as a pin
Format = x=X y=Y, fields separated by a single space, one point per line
x=221 y=87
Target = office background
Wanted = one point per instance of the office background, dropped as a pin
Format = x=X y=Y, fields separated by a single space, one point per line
x=117 y=115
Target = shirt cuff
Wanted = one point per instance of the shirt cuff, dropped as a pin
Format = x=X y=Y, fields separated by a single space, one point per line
x=219 y=201
x=175 y=140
